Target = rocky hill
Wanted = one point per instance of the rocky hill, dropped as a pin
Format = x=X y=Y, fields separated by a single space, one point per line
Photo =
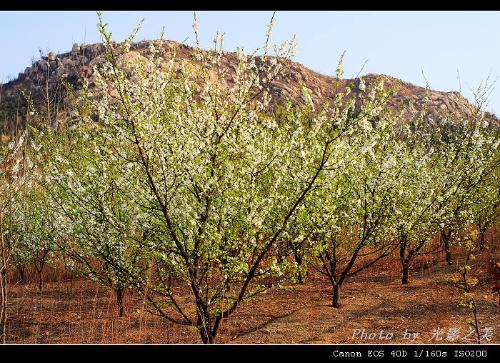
x=46 y=76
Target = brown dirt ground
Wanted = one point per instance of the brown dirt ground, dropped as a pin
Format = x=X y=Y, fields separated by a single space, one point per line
x=373 y=301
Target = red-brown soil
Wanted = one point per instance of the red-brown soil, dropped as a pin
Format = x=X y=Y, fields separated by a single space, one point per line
x=83 y=312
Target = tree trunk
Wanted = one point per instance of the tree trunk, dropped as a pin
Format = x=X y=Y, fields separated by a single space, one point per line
x=405 y=260
x=482 y=239
x=300 y=278
x=448 y=256
x=206 y=336
x=120 y=293
x=446 y=236
x=39 y=265
x=298 y=260
x=208 y=331
x=69 y=289
x=3 y=307
x=22 y=273
x=404 y=279
x=336 y=296
x=40 y=280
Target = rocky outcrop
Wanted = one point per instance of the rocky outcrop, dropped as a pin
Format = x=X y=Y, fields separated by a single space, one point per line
x=44 y=81
x=45 y=78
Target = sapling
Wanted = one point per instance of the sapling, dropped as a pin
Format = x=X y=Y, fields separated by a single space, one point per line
x=466 y=283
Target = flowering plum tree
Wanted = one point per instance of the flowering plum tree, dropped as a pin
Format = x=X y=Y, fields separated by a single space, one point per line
x=200 y=163
x=15 y=167
x=94 y=222
x=443 y=165
x=34 y=230
x=353 y=202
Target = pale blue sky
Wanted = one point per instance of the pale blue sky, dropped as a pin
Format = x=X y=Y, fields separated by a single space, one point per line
x=396 y=43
